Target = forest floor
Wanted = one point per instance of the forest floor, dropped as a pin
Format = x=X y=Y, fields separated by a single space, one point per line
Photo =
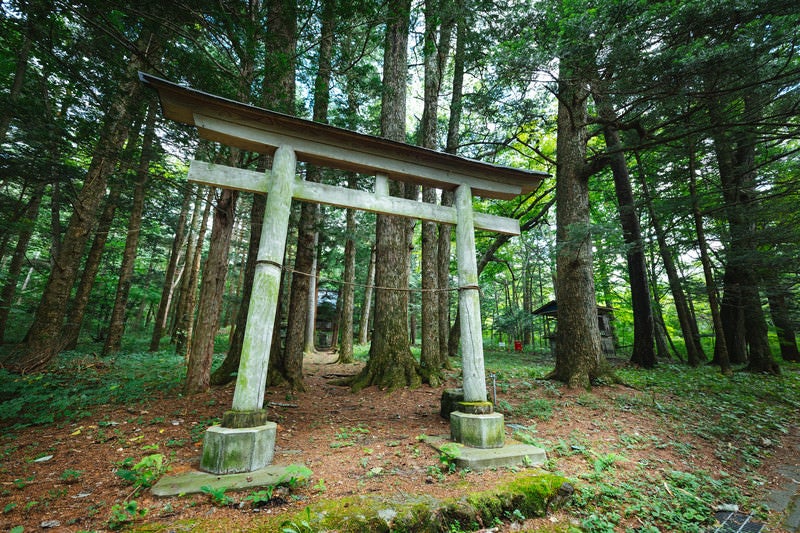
x=63 y=476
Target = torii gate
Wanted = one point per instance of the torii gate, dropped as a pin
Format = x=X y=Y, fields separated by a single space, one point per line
x=244 y=442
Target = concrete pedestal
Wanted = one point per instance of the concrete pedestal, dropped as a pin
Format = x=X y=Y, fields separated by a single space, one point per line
x=477 y=430
x=235 y=450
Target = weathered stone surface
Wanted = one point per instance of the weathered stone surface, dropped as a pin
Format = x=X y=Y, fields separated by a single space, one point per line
x=244 y=419
x=478 y=431
x=512 y=454
x=475 y=408
x=193 y=482
x=450 y=399
x=234 y=450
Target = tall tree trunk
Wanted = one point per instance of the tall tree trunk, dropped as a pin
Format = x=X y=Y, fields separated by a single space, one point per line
x=279 y=91
x=116 y=325
x=279 y=94
x=348 y=290
x=643 y=340
x=435 y=51
x=366 y=306
x=311 y=300
x=779 y=310
x=449 y=336
x=14 y=94
x=290 y=365
x=691 y=335
x=91 y=267
x=302 y=288
x=169 y=276
x=184 y=323
x=44 y=340
x=226 y=372
x=201 y=353
x=721 y=347
x=735 y=151
x=579 y=358
x=391 y=364
x=15 y=266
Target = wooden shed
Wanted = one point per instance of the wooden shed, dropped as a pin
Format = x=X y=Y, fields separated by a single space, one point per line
x=605 y=316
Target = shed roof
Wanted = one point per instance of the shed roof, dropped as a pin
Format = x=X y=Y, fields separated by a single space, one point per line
x=261 y=130
x=551 y=309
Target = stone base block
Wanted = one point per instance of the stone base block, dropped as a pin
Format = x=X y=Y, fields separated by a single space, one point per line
x=477 y=431
x=235 y=450
x=450 y=399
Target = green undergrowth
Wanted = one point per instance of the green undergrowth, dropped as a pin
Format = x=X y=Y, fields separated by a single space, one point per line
x=77 y=382
x=627 y=479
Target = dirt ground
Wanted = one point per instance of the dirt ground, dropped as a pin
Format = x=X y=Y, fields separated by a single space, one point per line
x=63 y=478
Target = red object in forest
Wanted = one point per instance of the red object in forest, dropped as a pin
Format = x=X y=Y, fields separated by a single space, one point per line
x=517 y=346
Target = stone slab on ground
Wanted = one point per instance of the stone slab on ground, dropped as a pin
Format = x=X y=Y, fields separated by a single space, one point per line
x=513 y=453
x=191 y=482
x=786 y=499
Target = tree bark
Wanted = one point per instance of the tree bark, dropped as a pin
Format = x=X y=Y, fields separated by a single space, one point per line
x=201 y=353
x=643 y=340
x=91 y=267
x=735 y=151
x=579 y=358
x=391 y=364
x=779 y=310
x=17 y=259
x=169 y=276
x=16 y=86
x=226 y=372
x=44 y=340
x=348 y=291
x=449 y=337
x=309 y=345
x=116 y=325
x=290 y=366
x=366 y=306
x=721 y=345
x=691 y=335
x=435 y=52
x=184 y=323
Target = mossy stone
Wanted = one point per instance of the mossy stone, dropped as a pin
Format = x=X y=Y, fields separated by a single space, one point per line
x=475 y=408
x=477 y=431
x=244 y=419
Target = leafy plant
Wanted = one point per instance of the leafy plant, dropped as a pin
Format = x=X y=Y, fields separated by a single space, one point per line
x=70 y=476
x=144 y=473
x=125 y=513
x=300 y=525
x=261 y=497
x=218 y=495
x=448 y=454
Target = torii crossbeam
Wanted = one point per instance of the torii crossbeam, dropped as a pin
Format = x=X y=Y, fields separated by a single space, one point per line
x=245 y=440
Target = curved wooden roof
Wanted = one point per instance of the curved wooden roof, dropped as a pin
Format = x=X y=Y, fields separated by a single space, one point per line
x=260 y=130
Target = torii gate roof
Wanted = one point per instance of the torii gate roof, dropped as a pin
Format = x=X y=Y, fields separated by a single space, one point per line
x=260 y=130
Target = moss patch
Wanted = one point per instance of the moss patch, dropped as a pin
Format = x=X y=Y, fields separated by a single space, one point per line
x=532 y=495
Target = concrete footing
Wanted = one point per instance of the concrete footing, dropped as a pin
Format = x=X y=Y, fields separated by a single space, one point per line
x=477 y=430
x=235 y=450
x=512 y=454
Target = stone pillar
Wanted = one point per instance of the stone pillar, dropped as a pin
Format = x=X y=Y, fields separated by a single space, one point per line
x=245 y=441
x=473 y=423
x=252 y=376
x=469 y=305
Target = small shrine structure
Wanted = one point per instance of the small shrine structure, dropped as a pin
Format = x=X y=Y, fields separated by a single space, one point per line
x=245 y=440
